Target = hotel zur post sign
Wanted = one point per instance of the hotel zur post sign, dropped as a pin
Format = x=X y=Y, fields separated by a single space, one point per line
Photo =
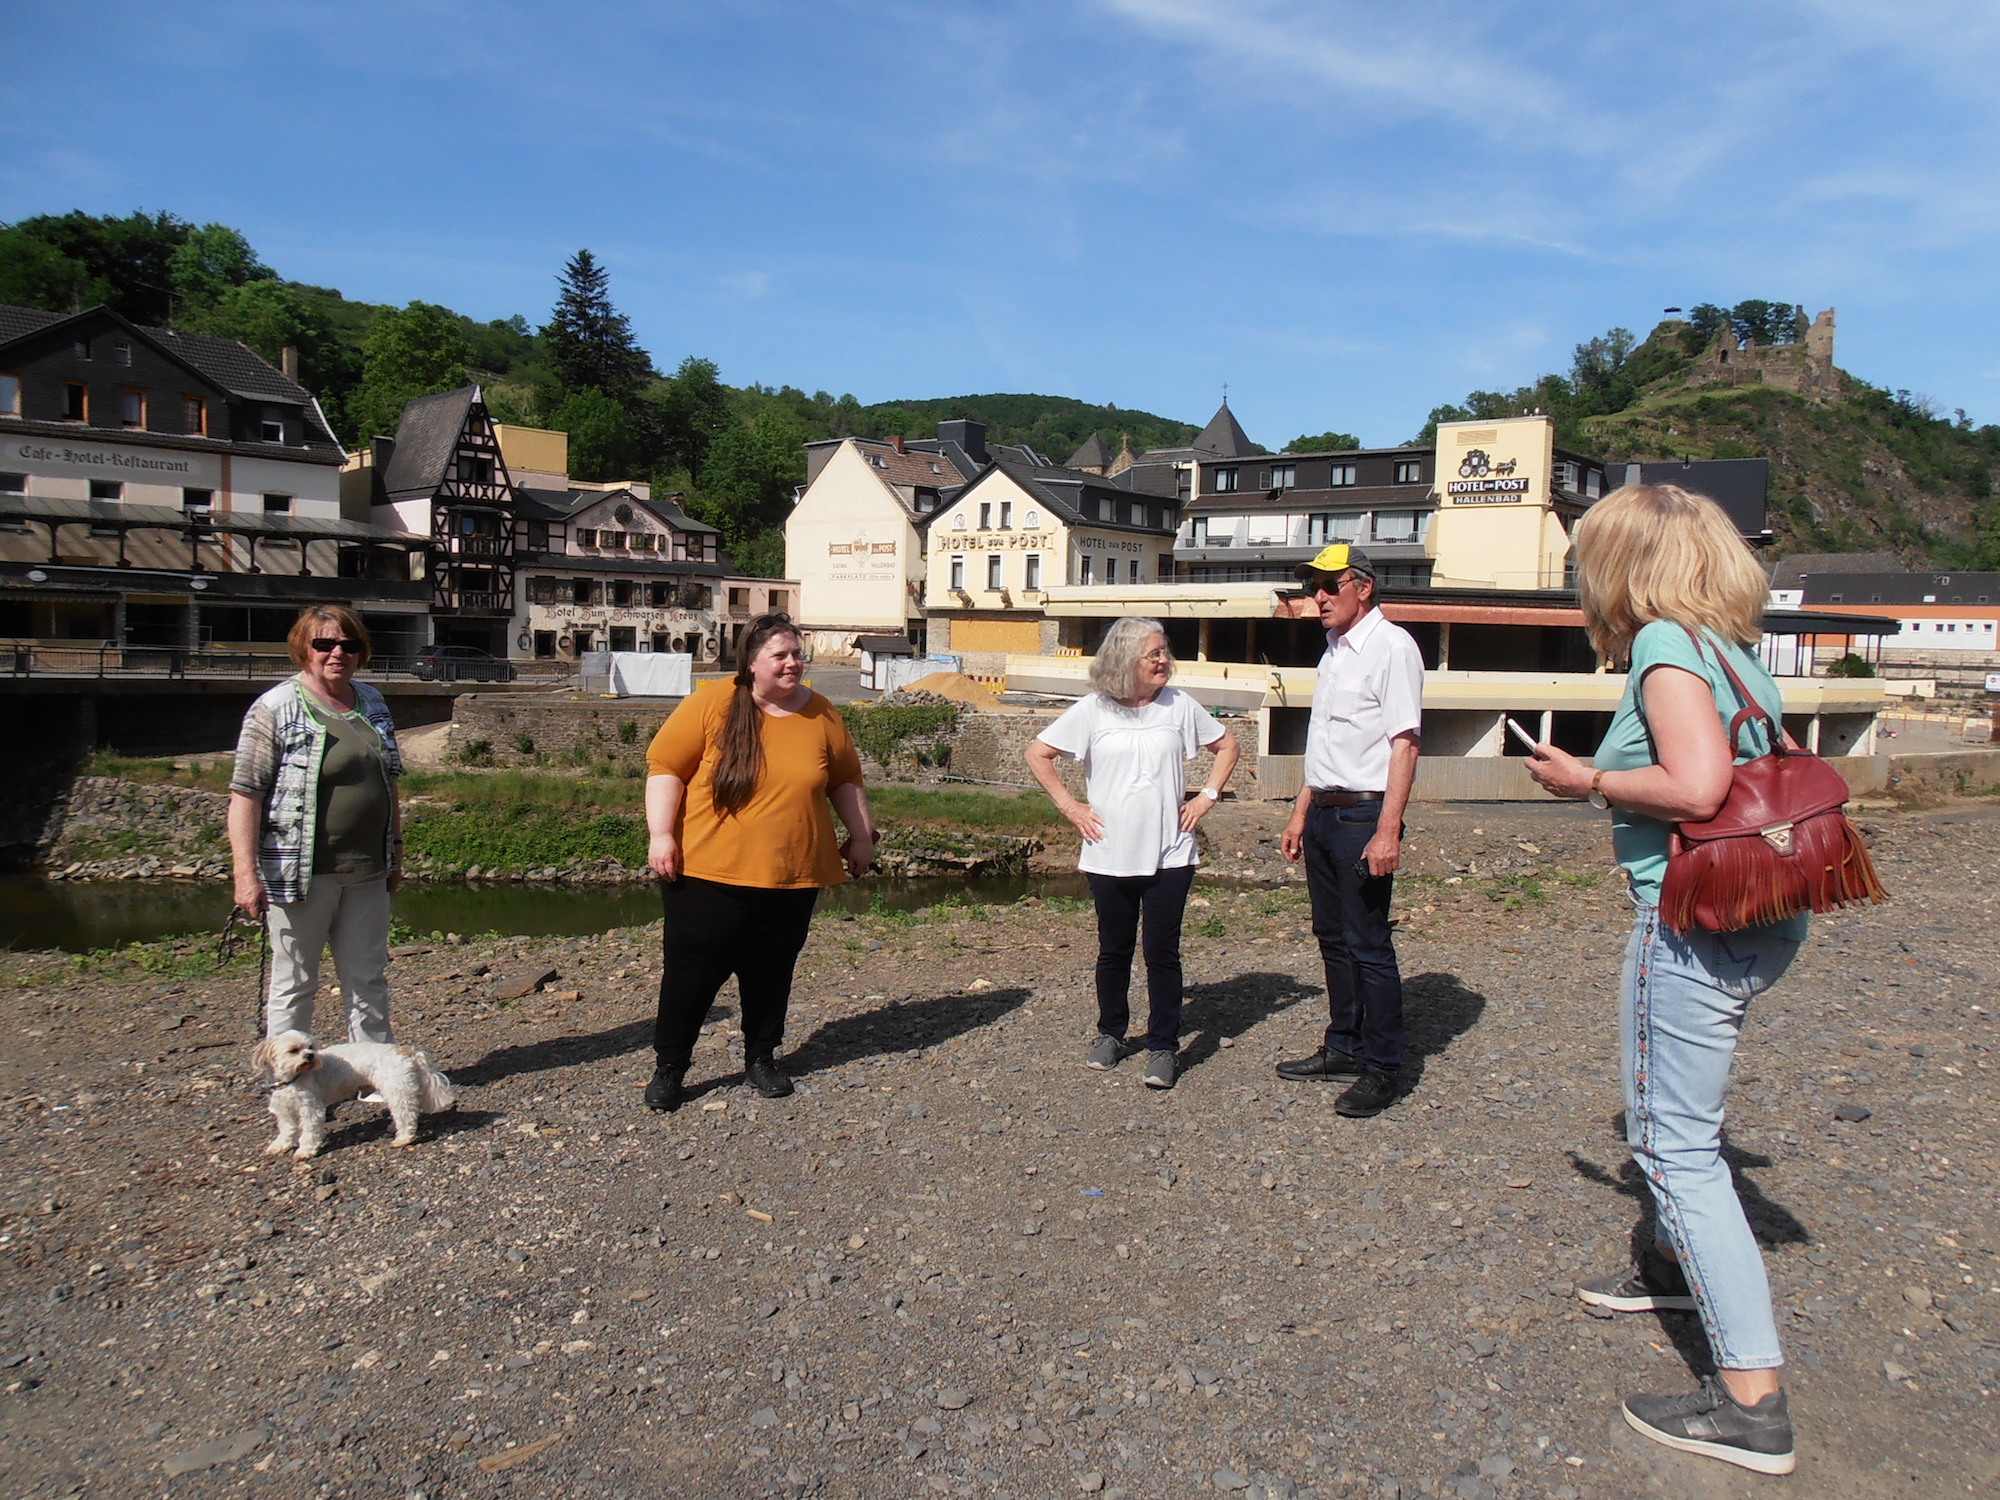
x=1482 y=481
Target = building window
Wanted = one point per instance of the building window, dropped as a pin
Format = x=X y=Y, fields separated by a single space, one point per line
x=1032 y=571
x=192 y=499
x=926 y=501
x=545 y=644
x=194 y=416
x=644 y=541
x=1397 y=526
x=1032 y=520
x=1107 y=510
x=277 y=505
x=538 y=536
x=1593 y=485
x=1183 y=483
x=958 y=574
x=1409 y=471
x=272 y=428
x=1225 y=481
x=579 y=591
x=1339 y=476
x=739 y=599
x=76 y=401
x=993 y=571
x=986 y=515
x=1198 y=531
x=614 y=540
x=1138 y=514
x=541 y=590
x=13 y=484
x=82 y=348
x=1006 y=515
x=586 y=536
x=1166 y=563
x=1283 y=477
x=107 y=489
x=1083 y=568
x=1565 y=476
x=10 y=395
x=621 y=592
x=1326 y=528
x=475 y=468
x=778 y=601
x=122 y=353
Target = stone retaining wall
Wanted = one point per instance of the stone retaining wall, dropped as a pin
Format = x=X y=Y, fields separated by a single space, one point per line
x=992 y=748
x=556 y=731
x=108 y=829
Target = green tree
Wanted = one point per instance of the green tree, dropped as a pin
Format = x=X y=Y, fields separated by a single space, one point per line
x=124 y=262
x=601 y=436
x=588 y=341
x=690 y=410
x=745 y=488
x=413 y=351
x=1325 y=442
x=762 y=556
x=212 y=262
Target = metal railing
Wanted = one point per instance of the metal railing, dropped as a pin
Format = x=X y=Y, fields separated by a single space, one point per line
x=34 y=659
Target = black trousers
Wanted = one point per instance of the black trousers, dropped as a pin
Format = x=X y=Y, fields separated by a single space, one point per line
x=713 y=931
x=1350 y=917
x=1121 y=900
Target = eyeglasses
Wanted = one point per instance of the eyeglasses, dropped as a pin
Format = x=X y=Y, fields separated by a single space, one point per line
x=1160 y=655
x=1334 y=588
x=327 y=645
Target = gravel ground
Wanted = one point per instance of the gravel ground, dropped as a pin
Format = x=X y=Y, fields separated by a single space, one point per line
x=958 y=1263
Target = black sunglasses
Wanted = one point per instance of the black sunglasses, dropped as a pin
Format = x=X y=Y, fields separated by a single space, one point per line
x=327 y=645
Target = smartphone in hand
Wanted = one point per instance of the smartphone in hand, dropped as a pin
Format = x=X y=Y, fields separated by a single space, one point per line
x=1523 y=736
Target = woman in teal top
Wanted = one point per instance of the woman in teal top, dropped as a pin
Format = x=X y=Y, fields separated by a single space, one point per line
x=1665 y=581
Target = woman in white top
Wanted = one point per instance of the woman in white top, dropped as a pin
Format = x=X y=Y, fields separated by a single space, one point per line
x=1133 y=735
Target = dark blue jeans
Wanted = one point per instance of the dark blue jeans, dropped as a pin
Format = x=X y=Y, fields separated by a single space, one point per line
x=1121 y=900
x=1364 y=988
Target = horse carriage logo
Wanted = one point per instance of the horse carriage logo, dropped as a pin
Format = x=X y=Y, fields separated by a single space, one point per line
x=1478 y=463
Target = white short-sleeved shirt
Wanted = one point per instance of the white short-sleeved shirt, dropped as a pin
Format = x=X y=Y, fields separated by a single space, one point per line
x=1369 y=690
x=1133 y=774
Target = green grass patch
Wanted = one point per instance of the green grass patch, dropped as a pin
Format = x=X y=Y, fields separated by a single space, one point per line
x=527 y=838
x=191 y=957
x=1029 y=815
x=879 y=730
x=508 y=792
x=154 y=770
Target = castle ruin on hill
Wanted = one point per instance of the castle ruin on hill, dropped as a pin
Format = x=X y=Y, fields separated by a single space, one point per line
x=1804 y=367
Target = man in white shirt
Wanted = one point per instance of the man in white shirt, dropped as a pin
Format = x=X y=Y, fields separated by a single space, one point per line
x=1361 y=758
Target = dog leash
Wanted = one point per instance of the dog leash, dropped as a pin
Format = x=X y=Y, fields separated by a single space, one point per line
x=227 y=949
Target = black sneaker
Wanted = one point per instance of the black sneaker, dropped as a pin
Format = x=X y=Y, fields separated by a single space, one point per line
x=664 y=1092
x=1712 y=1423
x=1322 y=1067
x=1371 y=1093
x=1656 y=1284
x=763 y=1075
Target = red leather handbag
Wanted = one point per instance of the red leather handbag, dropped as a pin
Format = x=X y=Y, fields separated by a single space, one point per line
x=1780 y=844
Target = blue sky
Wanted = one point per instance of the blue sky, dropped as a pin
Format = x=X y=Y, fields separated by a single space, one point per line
x=1348 y=212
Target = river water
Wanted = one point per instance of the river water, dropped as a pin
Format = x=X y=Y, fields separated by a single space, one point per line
x=77 y=916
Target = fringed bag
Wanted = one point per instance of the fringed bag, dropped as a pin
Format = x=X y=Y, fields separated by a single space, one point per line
x=1779 y=846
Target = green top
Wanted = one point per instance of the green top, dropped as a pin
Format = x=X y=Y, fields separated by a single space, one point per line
x=1639 y=842
x=355 y=795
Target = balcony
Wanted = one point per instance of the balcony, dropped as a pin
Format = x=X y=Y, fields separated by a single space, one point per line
x=481 y=546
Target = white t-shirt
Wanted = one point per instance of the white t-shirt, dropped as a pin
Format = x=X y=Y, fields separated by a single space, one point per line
x=1370 y=688
x=1133 y=775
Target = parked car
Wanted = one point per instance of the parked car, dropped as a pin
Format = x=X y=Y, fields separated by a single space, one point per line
x=461 y=663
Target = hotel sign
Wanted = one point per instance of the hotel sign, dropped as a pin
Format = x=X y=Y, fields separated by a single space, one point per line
x=1487 y=491
x=48 y=457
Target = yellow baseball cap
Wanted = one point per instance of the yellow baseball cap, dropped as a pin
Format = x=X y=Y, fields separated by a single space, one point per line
x=1334 y=560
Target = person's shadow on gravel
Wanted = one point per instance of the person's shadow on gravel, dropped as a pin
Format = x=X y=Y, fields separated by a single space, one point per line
x=899 y=1028
x=556 y=1052
x=1437 y=1010
x=372 y=1122
x=1231 y=1007
x=1771 y=1222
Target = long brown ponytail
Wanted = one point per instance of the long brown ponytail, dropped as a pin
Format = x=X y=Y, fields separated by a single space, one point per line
x=740 y=759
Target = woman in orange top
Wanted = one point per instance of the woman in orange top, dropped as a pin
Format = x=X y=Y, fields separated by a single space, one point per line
x=737 y=792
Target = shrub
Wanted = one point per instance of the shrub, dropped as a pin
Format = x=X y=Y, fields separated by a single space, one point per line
x=878 y=730
x=524 y=743
x=476 y=753
x=628 y=731
x=1850 y=665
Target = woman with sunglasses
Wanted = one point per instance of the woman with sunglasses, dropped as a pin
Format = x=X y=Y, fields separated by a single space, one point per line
x=1134 y=735
x=314 y=829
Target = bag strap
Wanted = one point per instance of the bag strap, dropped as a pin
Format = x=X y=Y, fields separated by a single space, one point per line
x=1751 y=711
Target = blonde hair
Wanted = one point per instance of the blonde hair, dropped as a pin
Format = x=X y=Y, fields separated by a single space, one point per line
x=1114 y=671
x=1658 y=552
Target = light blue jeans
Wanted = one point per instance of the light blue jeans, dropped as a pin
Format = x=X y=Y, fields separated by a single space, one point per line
x=1681 y=1009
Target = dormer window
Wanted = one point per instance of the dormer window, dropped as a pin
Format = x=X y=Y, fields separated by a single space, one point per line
x=82 y=348
x=122 y=353
x=271 y=429
x=586 y=536
x=935 y=468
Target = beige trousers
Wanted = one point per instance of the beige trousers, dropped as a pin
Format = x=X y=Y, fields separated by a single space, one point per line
x=350 y=914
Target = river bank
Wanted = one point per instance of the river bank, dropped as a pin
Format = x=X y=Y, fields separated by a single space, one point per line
x=956 y=1259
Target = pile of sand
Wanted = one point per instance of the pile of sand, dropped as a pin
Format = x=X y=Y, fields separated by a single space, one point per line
x=960 y=689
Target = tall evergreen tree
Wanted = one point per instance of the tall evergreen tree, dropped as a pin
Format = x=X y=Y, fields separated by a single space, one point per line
x=589 y=342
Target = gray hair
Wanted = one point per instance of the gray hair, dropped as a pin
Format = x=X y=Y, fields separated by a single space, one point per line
x=1115 y=670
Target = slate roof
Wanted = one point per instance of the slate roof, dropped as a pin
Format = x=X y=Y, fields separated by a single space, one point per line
x=15 y=321
x=1223 y=437
x=1787 y=571
x=562 y=505
x=1092 y=455
x=426 y=440
x=1067 y=491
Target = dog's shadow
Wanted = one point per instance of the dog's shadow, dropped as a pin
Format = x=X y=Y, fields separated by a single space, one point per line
x=373 y=1123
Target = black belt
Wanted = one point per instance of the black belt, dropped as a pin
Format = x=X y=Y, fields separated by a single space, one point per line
x=1334 y=798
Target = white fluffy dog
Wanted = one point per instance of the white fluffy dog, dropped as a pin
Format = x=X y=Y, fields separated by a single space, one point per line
x=312 y=1079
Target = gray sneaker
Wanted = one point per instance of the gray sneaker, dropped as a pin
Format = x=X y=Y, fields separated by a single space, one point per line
x=1656 y=1284
x=1711 y=1423
x=1160 y=1068
x=1106 y=1053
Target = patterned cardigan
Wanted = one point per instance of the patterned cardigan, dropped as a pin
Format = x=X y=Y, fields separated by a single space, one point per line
x=277 y=761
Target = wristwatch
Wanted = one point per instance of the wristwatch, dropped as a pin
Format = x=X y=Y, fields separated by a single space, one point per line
x=1597 y=798
x=1211 y=793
